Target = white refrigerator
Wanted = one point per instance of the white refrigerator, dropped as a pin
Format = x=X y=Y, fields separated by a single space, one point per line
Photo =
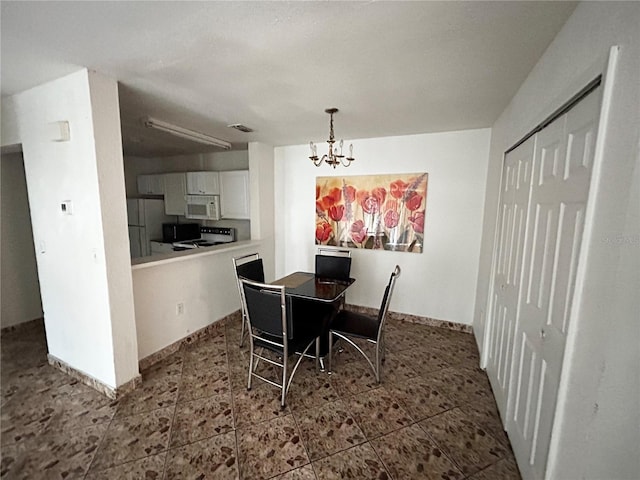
x=145 y=218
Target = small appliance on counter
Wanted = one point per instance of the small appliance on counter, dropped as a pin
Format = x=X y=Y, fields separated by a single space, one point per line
x=177 y=232
x=209 y=236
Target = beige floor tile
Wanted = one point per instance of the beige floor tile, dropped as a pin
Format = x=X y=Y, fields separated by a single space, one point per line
x=328 y=429
x=270 y=448
x=212 y=458
x=377 y=412
x=202 y=418
x=193 y=415
x=470 y=446
x=358 y=462
x=409 y=453
x=151 y=468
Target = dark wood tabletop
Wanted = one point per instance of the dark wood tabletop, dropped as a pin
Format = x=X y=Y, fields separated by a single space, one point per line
x=307 y=285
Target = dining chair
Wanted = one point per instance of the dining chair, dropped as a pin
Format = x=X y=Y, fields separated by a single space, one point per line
x=271 y=327
x=348 y=325
x=247 y=266
x=333 y=263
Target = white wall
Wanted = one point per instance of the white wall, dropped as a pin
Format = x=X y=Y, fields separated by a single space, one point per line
x=83 y=265
x=438 y=283
x=596 y=431
x=19 y=275
x=204 y=283
x=8 y=124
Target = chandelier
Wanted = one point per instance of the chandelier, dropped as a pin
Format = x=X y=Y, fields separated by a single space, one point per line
x=335 y=156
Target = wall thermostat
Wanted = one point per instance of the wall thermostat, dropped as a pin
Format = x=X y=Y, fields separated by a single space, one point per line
x=66 y=207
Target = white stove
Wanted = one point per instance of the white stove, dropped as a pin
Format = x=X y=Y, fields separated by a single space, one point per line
x=209 y=236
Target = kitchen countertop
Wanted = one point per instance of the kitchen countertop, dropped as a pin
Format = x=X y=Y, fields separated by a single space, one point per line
x=161 y=259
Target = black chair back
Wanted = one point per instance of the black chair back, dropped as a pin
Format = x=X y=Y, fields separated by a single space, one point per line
x=329 y=266
x=253 y=270
x=386 y=298
x=266 y=308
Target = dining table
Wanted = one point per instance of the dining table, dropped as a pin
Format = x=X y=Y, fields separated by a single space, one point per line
x=308 y=287
x=312 y=287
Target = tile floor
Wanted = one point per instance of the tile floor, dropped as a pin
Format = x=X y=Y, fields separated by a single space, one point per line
x=433 y=416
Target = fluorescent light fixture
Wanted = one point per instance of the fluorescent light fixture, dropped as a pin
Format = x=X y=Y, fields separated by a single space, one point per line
x=150 y=122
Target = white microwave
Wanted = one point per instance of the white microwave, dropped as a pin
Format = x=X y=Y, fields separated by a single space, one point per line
x=203 y=207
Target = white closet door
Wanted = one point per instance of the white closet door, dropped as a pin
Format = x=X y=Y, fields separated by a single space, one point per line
x=516 y=187
x=560 y=188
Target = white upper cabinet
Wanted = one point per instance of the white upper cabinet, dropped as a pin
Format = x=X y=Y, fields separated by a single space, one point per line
x=151 y=184
x=203 y=183
x=234 y=194
x=175 y=186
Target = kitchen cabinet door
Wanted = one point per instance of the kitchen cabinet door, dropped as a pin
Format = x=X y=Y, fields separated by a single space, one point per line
x=234 y=194
x=203 y=183
x=175 y=186
x=150 y=184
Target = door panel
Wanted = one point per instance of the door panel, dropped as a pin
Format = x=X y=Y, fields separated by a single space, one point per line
x=506 y=283
x=561 y=169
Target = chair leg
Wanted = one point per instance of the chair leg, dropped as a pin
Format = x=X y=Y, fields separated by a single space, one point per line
x=330 y=352
x=250 y=363
x=378 y=359
x=317 y=354
x=284 y=380
x=243 y=320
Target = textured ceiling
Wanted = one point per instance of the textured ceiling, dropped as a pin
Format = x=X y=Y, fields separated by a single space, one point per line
x=392 y=68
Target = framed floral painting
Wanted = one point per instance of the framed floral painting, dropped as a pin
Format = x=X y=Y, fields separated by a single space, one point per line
x=383 y=212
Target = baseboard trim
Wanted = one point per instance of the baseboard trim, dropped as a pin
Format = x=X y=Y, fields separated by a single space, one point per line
x=24 y=325
x=405 y=317
x=109 y=391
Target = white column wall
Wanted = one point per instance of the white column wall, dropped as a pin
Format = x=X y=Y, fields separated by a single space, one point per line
x=88 y=306
x=596 y=432
x=105 y=111
x=263 y=212
x=440 y=282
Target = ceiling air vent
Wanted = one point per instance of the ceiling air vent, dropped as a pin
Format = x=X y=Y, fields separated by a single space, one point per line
x=242 y=128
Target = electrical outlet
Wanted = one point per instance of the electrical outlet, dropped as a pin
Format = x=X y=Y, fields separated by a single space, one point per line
x=180 y=308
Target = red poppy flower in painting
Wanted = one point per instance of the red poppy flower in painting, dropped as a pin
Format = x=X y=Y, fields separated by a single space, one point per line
x=417 y=222
x=358 y=231
x=413 y=201
x=370 y=204
x=380 y=193
x=349 y=193
x=323 y=231
x=391 y=219
x=398 y=188
x=336 y=212
x=317 y=192
x=332 y=198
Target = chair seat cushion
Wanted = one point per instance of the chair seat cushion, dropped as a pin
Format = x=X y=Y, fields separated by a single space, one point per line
x=355 y=324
